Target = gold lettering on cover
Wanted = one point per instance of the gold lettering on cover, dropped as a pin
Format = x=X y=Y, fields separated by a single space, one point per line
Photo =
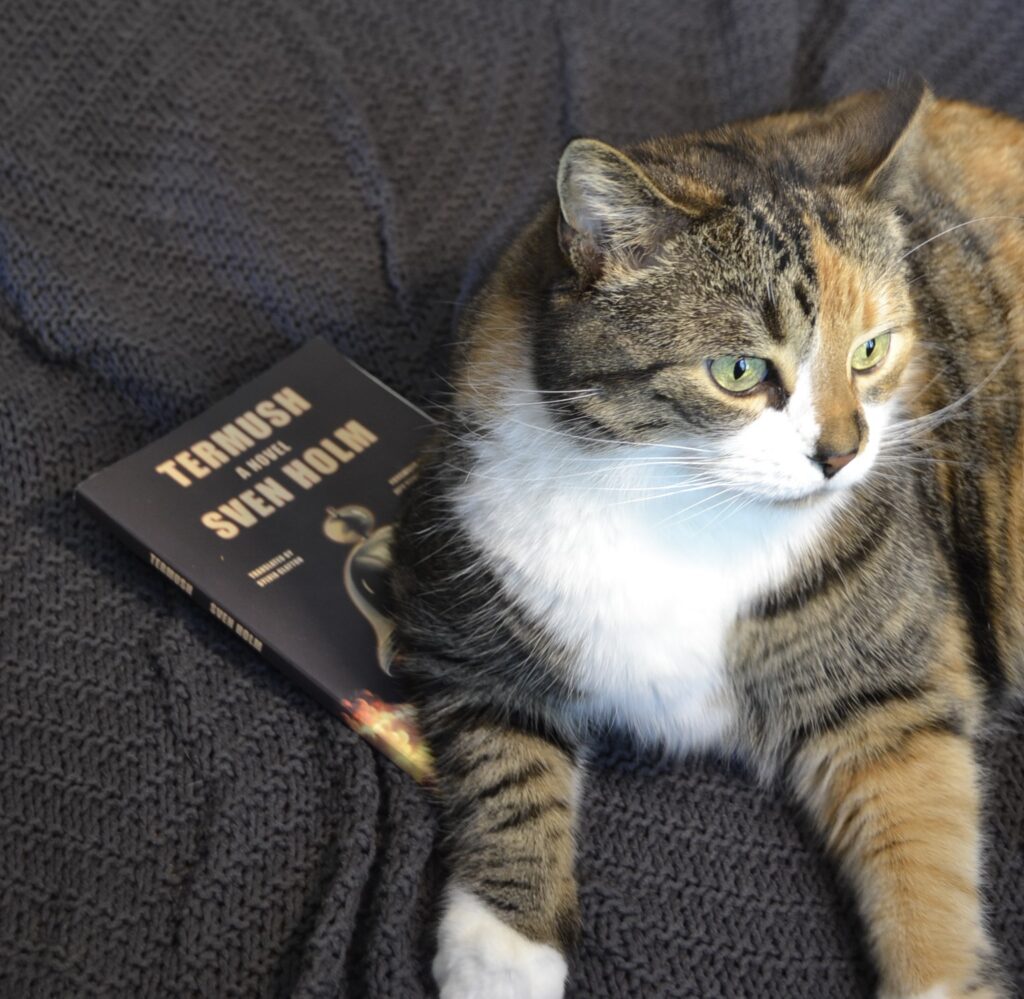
x=270 y=564
x=355 y=436
x=215 y=521
x=237 y=511
x=339 y=452
x=301 y=473
x=269 y=454
x=237 y=437
x=186 y=460
x=290 y=400
x=319 y=459
x=275 y=574
x=275 y=416
x=210 y=453
x=272 y=490
x=232 y=440
x=254 y=425
x=251 y=500
x=169 y=468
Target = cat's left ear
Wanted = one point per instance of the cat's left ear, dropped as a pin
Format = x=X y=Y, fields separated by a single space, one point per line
x=870 y=140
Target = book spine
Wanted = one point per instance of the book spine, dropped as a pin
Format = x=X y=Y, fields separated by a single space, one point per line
x=389 y=728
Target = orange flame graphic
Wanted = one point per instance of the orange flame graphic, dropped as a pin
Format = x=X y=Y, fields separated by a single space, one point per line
x=392 y=729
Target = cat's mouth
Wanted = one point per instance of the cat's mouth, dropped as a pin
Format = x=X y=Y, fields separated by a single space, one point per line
x=796 y=482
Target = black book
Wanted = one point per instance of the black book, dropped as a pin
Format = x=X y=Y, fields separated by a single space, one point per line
x=273 y=511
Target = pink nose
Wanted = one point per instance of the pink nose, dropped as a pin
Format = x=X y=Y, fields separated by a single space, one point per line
x=832 y=463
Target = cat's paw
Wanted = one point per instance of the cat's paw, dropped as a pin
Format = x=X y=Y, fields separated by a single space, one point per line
x=480 y=957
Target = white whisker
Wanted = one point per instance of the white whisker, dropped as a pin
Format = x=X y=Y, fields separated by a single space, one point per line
x=960 y=225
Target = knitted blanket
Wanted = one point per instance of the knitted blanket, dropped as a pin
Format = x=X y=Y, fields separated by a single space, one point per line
x=190 y=190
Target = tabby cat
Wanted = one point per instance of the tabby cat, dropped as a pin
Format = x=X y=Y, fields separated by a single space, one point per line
x=735 y=461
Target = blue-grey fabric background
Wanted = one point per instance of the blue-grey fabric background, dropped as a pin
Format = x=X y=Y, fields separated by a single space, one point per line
x=188 y=191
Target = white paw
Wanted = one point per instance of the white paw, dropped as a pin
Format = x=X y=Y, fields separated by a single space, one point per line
x=480 y=957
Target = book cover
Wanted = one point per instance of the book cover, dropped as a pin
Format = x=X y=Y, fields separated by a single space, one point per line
x=273 y=511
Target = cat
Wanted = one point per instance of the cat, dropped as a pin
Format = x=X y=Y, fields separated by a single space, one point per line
x=734 y=462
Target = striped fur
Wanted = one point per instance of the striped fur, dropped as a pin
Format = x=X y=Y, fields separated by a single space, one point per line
x=824 y=575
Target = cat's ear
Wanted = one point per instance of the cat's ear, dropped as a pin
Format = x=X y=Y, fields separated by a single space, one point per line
x=870 y=140
x=611 y=211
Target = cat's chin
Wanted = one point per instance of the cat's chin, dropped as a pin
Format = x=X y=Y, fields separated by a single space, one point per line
x=826 y=493
x=776 y=498
x=815 y=498
x=816 y=502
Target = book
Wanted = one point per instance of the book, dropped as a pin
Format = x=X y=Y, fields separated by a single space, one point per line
x=273 y=511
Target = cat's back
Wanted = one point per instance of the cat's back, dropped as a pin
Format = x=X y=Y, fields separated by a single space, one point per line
x=974 y=154
x=967 y=407
x=968 y=210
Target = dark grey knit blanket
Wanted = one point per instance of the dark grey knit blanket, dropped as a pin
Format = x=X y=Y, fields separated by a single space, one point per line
x=190 y=190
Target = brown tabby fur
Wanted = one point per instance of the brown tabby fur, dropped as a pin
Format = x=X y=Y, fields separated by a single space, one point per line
x=866 y=675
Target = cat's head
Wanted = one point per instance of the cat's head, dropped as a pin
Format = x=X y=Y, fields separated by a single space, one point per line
x=742 y=292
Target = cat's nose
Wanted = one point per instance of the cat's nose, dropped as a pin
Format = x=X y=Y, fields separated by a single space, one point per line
x=833 y=463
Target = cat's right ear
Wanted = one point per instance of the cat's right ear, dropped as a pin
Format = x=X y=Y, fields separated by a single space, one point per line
x=611 y=212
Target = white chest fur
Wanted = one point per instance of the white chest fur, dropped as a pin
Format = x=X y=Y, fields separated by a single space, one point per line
x=633 y=567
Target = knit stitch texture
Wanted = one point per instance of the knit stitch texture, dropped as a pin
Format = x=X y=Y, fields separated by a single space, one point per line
x=190 y=190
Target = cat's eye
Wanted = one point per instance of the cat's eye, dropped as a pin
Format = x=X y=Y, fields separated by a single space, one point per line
x=738 y=374
x=871 y=352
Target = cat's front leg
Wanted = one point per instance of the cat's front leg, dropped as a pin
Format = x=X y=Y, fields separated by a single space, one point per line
x=510 y=912
x=895 y=792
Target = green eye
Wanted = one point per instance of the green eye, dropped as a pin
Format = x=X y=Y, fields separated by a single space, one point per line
x=871 y=352
x=738 y=374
